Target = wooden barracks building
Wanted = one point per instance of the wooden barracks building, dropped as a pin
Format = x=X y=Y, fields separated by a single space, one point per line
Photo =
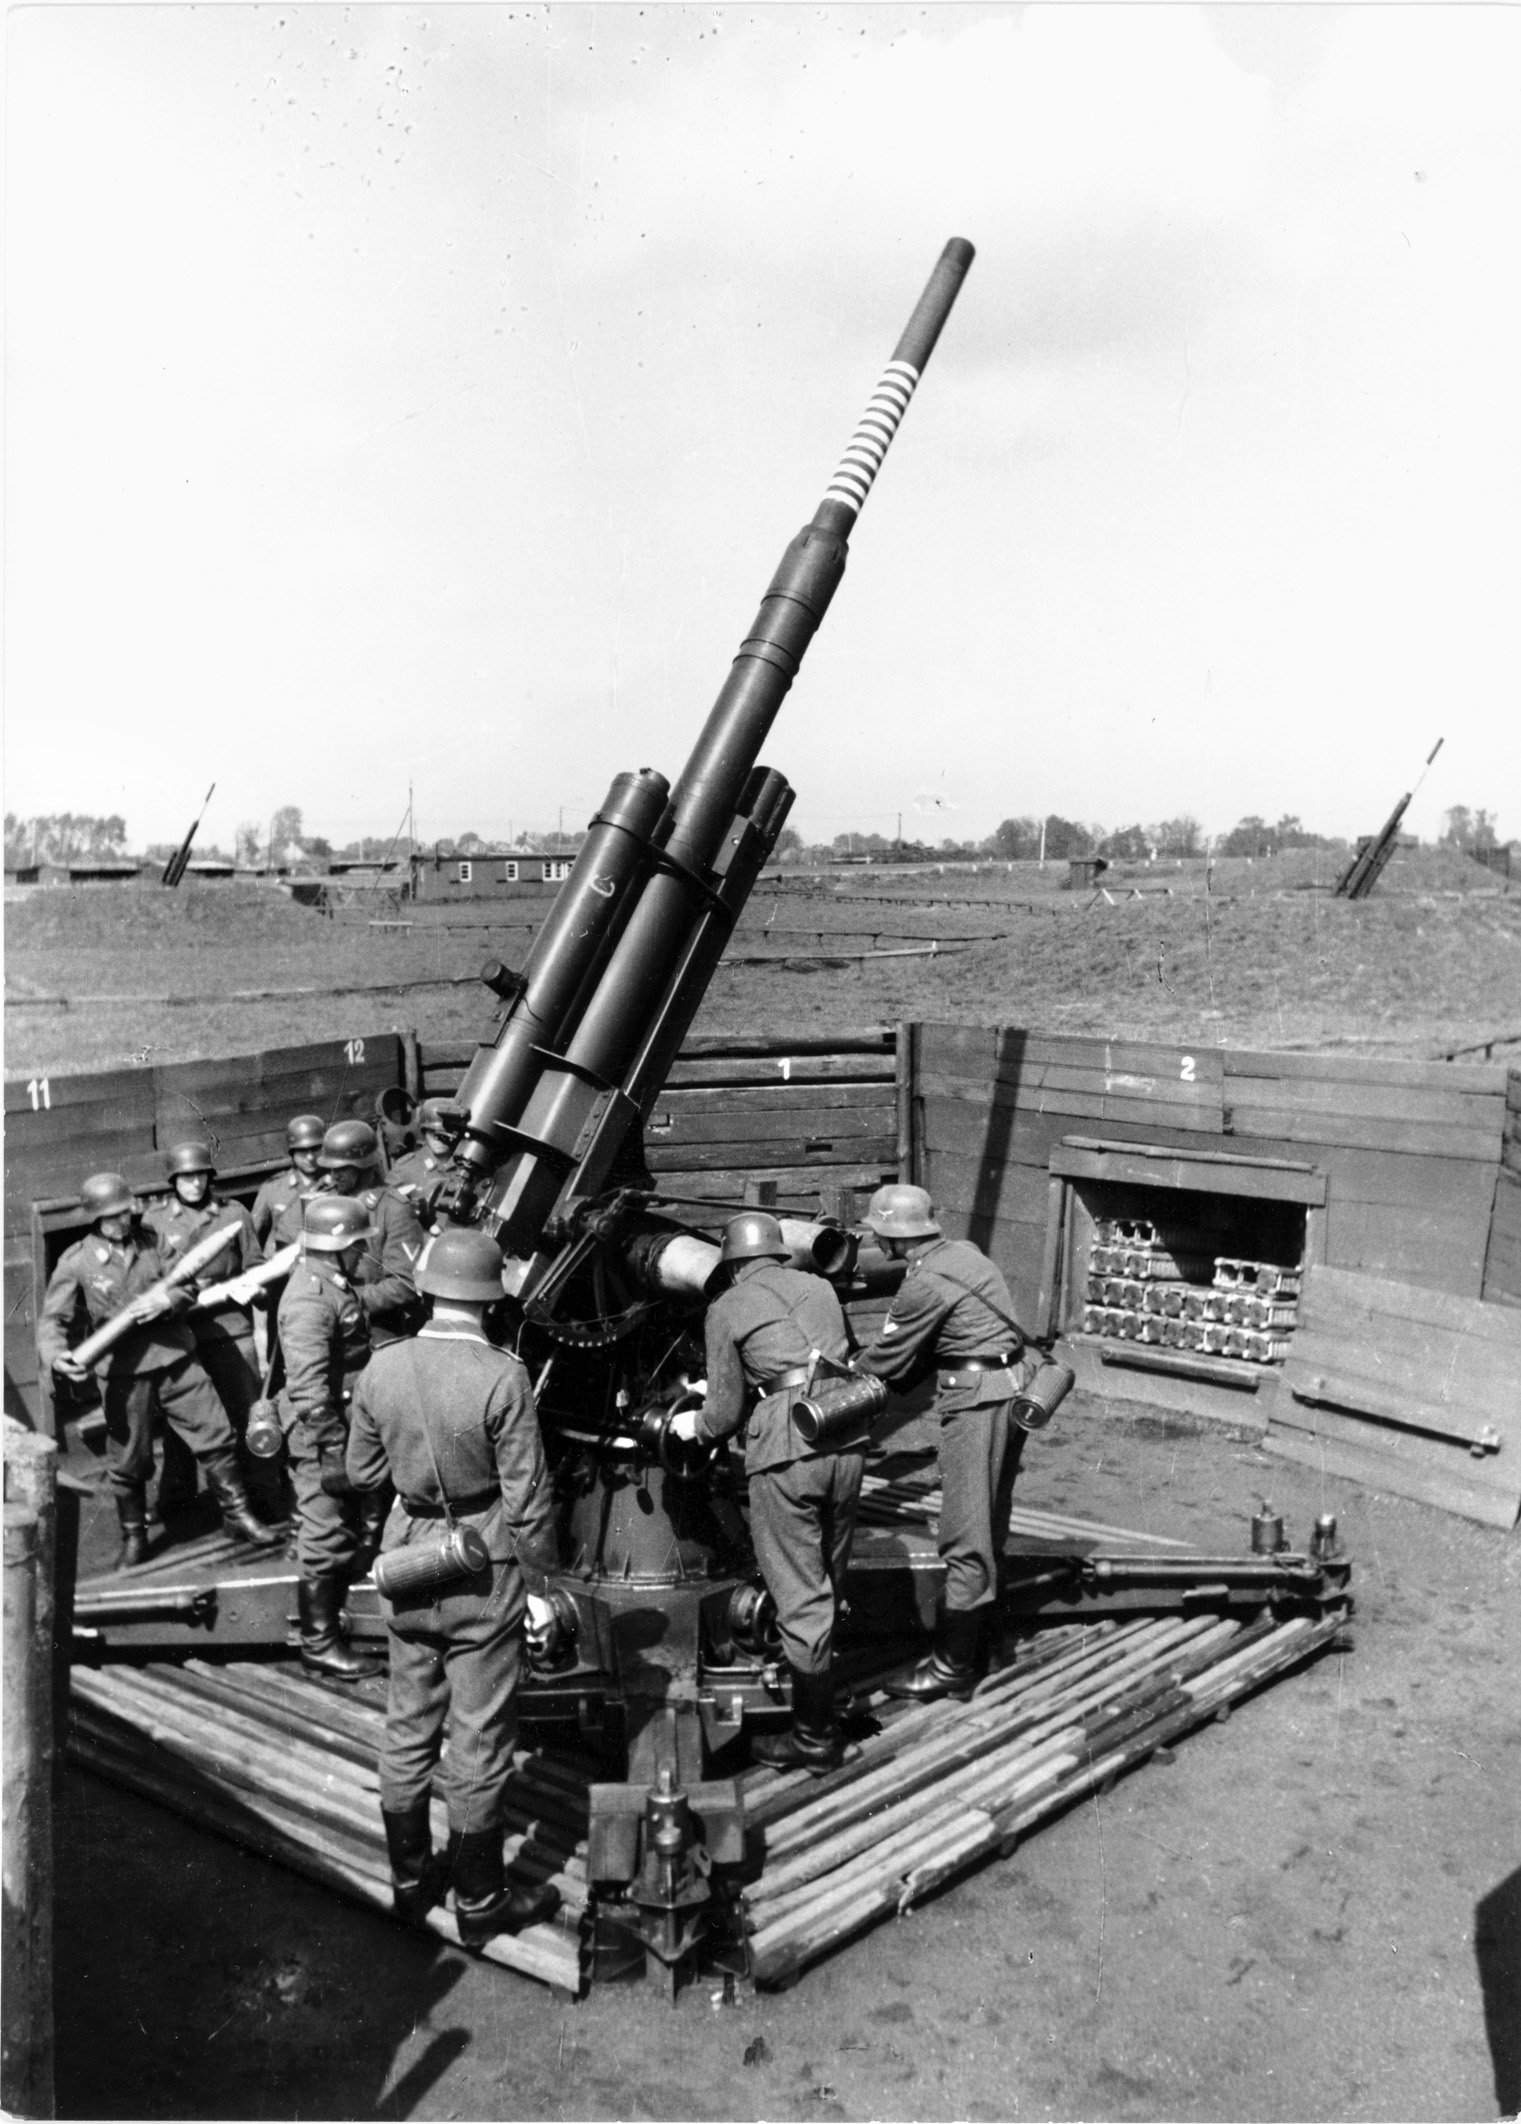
x=490 y=874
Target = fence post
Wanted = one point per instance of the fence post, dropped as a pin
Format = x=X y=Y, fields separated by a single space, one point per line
x=26 y=1954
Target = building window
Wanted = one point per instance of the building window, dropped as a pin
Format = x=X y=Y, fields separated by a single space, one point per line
x=509 y=873
x=559 y=869
x=466 y=873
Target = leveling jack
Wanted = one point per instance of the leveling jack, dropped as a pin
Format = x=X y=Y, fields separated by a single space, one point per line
x=663 y=1861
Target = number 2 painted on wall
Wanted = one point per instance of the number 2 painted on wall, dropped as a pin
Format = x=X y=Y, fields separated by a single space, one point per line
x=354 y=1049
x=1187 y=1071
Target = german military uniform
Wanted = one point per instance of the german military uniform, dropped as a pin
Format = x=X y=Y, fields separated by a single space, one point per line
x=151 y=1373
x=384 y=1286
x=953 y=1313
x=414 y=1177
x=274 y=1198
x=224 y=1336
x=325 y=1340
x=450 y=1419
x=765 y=1338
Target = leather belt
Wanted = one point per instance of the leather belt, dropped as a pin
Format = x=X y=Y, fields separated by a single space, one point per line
x=952 y=1374
x=422 y=1508
x=798 y=1376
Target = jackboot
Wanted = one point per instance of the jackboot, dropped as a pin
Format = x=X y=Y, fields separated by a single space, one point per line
x=415 y=1885
x=132 y=1512
x=485 y=1902
x=813 y=1741
x=953 y=1668
x=238 y=1517
x=319 y=1603
x=177 y=1483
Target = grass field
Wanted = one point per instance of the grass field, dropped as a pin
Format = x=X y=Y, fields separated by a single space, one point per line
x=1250 y=954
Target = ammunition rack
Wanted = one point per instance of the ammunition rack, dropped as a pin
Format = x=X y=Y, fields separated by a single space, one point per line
x=1151 y=1284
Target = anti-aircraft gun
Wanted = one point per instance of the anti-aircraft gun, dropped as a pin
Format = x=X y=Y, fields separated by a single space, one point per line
x=660 y=1649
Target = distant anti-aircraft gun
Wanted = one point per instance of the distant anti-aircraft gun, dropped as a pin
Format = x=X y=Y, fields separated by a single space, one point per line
x=661 y=1650
x=1367 y=865
x=174 y=869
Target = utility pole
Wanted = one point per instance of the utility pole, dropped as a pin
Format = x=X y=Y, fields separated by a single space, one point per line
x=1043 y=841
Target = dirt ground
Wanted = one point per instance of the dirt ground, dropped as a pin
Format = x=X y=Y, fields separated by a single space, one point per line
x=1265 y=958
x=1314 y=1911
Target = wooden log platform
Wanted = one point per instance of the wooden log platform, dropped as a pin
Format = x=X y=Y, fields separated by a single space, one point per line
x=257 y=1751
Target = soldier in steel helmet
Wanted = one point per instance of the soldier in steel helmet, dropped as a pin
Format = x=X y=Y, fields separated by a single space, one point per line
x=348 y=1160
x=953 y=1314
x=325 y=1340
x=450 y=1420
x=416 y=1176
x=767 y=1334
x=151 y=1375
x=303 y=1141
x=224 y=1335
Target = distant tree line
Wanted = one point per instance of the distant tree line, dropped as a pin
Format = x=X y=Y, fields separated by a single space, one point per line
x=73 y=837
x=62 y=837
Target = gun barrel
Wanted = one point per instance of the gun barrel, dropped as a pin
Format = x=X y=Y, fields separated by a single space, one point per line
x=613 y=983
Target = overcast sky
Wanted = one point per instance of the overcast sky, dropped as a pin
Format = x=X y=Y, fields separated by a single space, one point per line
x=427 y=393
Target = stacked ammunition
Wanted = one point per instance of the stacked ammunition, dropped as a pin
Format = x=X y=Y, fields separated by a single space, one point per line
x=1149 y=1284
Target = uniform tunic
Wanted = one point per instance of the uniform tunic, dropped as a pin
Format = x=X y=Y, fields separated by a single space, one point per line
x=224 y=1338
x=413 y=1176
x=151 y=1371
x=455 y=1651
x=954 y=1304
x=803 y=1499
x=325 y=1339
x=275 y=1198
x=384 y=1282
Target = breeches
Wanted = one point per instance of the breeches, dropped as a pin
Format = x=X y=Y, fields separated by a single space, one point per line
x=328 y=1529
x=232 y=1366
x=979 y=1458
x=802 y=1518
x=455 y=1661
x=182 y=1395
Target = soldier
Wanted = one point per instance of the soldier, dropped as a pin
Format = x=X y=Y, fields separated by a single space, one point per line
x=325 y=1339
x=953 y=1311
x=419 y=1172
x=224 y=1338
x=303 y=1139
x=151 y=1373
x=384 y=1280
x=765 y=1336
x=451 y=1420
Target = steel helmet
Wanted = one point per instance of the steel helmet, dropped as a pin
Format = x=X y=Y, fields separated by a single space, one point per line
x=106 y=1195
x=305 y=1132
x=901 y=1212
x=330 y=1223
x=192 y=1157
x=755 y=1236
x=430 y=1116
x=348 y=1143
x=460 y=1263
